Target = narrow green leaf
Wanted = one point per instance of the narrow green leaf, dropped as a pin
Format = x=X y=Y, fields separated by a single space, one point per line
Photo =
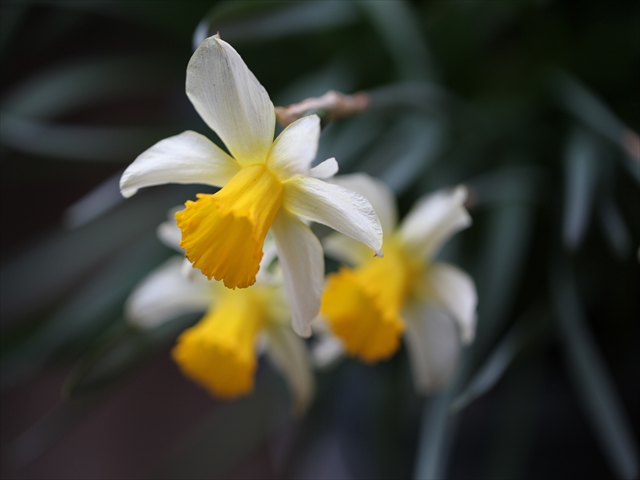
x=588 y=372
x=437 y=432
x=398 y=27
x=510 y=184
x=612 y=222
x=585 y=105
x=503 y=256
x=102 y=199
x=38 y=276
x=78 y=142
x=348 y=140
x=405 y=151
x=67 y=87
x=614 y=227
x=581 y=173
x=249 y=20
x=414 y=95
x=423 y=142
x=523 y=332
x=93 y=305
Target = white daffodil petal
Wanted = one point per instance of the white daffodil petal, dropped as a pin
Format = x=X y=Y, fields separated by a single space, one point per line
x=434 y=219
x=185 y=158
x=295 y=148
x=269 y=254
x=325 y=170
x=165 y=294
x=289 y=355
x=302 y=263
x=327 y=350
x=345 y=249
x=341 y=209
x=231 y=101
x=195 y=275
x=169 y=234
x=433 y=347
x=455 y=290
x=377 y=192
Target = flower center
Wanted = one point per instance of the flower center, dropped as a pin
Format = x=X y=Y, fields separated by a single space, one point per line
x=363 y=305
x=223 y=233
x=219 y=352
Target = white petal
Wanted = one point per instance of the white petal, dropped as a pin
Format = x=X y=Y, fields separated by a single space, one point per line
x=455 y=290
x=269 y=254
x=289 y=355
x=165 y=294
x=327 y=350
x=231 y=101
x=434 y=219
x=185 y=158
x=433 y=346
x=341 y=209
x=190 y=272
x=295 y=148
x=325 y=170
x=168 y=232
x=302 y=263
x=379 y=195
x=345 y=249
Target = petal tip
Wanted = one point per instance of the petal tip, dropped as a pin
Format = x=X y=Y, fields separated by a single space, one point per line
x=125 y=190
x=302 y=331
x=467 y=339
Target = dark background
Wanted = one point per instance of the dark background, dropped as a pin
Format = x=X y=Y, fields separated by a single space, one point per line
x=87 y=86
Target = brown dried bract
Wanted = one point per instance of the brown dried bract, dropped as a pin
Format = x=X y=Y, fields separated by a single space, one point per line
x=334 y=105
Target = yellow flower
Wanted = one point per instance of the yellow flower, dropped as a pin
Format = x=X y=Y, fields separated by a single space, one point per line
x=370 y=306
x=220 y=351
x=266 y=185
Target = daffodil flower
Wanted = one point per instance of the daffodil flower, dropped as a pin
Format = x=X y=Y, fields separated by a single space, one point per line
x=266 y=185
x=220 y=352
x=371 y=306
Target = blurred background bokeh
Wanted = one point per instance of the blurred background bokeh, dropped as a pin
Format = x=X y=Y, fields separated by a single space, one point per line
x=534 y=105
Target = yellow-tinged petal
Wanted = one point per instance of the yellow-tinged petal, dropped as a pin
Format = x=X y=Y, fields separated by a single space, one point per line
x=379 y=195
x=231 y=101
x=433 y=220
x=363 y=305
x=219 y=352
x=223 y=233
x=302 y=263
x=185 y=158
x=343 y=210
x=295 y=148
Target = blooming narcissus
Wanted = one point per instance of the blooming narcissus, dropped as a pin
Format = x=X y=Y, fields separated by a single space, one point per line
x=267 y=185
x=369 y=307
x=220 y=351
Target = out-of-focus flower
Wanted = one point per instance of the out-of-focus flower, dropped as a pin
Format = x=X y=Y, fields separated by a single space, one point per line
x=220 y=352
x=267 y=184
x=370 y=306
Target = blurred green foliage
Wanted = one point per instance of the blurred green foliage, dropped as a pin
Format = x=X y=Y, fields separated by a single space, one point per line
x=532 y=104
